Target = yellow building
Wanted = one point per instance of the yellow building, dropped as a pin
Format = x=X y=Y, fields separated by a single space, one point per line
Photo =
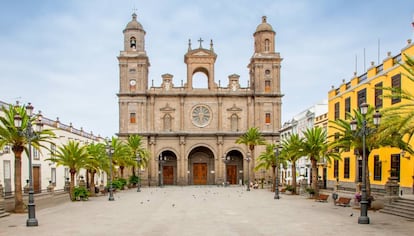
x=322 y=121
x=347 y=97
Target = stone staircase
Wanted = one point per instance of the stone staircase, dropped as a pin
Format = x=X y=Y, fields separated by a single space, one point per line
x=401 y=207
x=3 y=213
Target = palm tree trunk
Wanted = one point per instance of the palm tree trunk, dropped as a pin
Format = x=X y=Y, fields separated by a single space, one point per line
x=72 y=184
x=92 y=185
x=294 y=177
x=18 y=197
x=133 y=171
x=87 y=179
x=122 y=171
x=315 y=176
x=252 y=164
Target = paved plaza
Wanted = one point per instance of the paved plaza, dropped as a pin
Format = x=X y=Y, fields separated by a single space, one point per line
x=206 y=210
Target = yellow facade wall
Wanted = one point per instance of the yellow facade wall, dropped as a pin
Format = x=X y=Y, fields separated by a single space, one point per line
x=375 y=74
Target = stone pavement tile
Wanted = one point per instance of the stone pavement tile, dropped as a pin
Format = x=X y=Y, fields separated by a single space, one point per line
x=205 y=210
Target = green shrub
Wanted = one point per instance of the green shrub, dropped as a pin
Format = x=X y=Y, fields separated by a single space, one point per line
x=118 y=183
x=80 y=193
x=311 y=191
x=133 y=180
x=289 y=188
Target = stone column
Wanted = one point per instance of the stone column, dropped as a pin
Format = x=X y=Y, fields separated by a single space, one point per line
x=392 y=189
x=183 y=163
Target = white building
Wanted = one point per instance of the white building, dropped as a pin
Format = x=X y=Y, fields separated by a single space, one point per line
x=44 y=172
x=297 y=125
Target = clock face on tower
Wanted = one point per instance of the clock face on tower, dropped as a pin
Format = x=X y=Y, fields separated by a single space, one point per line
x=201 y=115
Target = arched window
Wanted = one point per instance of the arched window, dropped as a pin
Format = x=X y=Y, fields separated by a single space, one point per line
x=200 y=80
x=267 y=45
x=234 y=120
x=133 y=43
x=167 y=122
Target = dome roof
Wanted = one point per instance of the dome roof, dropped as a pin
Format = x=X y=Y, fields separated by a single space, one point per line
x=264 y=26
x=134 y=24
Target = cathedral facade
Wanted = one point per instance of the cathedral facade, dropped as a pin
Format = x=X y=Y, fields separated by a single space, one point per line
x=190 y=132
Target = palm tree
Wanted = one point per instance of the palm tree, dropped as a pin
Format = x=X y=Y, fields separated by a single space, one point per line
x=121 y=156
x=134 y=144
x=11 y=135
x=345 y=139
x=292 y=151
x=251 y=138
x=266 y=160
x=316 y=147
x=75 y=157
x=96 y=161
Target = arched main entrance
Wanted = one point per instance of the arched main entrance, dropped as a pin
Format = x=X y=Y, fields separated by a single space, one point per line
x=167 y=168
x=201 y=166
x=234 y=167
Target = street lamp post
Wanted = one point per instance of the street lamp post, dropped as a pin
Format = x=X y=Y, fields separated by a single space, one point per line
x=162 y=160
x=139 y=172
x=110 y=151
x=226 y=160
x=363 y=218
x=248 y=171
x=30 y=134
x=276 y=151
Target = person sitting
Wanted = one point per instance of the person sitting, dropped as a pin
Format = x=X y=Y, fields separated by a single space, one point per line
x=358 y=197
x=255 y=185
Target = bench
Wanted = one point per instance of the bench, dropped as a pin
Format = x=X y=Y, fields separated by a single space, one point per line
x=322 y=198
x=104 y=191
x=343 y=201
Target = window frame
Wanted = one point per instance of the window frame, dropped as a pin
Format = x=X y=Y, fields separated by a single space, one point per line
x=346 y=167
x=377 y=168
x=396 y=88
x=377 y=96
x=337 y=111
x=132 y=117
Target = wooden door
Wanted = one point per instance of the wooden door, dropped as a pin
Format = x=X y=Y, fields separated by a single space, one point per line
x=199 y=173
x=232 y=174
x=36 y=179
x=168 y=175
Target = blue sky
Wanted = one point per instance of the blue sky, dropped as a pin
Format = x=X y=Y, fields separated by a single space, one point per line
x=61 y=55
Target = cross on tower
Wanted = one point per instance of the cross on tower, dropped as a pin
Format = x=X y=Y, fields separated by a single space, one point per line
x=200 y=40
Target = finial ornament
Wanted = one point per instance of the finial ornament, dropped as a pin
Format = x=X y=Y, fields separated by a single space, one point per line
x=264 y=19
x=189 y=44
x=211 y=45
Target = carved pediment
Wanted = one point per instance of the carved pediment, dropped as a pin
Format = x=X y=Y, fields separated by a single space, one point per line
x=200 y=53
x=167 y=108
x=234 y=108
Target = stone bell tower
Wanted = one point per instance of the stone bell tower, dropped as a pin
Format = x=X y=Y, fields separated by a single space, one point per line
x=264 y=70
x=133 y=77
